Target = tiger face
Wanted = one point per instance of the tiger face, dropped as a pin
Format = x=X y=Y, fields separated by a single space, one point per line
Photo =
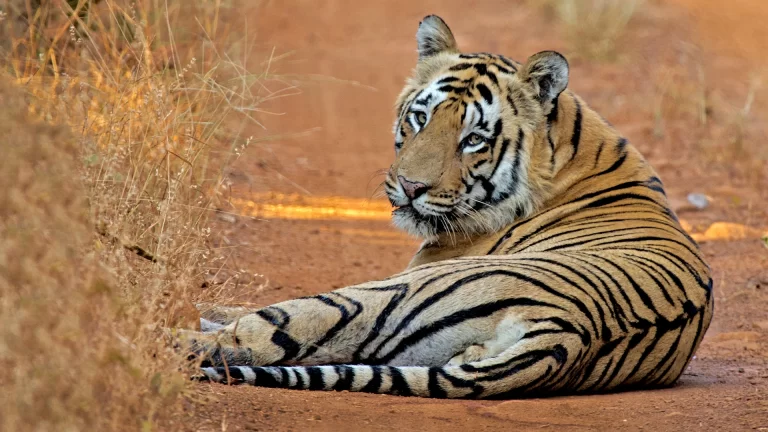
x=466 y=137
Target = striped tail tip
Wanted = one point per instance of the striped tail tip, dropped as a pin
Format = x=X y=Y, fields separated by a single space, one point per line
x=232 y=375
x=403 y=380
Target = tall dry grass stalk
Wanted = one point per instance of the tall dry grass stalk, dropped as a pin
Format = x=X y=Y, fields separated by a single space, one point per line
x=116 y=132
x=726 y=132
x=593 y=27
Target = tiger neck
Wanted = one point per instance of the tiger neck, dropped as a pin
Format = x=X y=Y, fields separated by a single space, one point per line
x=577 y=152
x=582 y=152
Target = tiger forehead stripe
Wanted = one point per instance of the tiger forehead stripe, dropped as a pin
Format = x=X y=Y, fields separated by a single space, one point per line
x=485 y=92
x=424 y=101
x=498 y=63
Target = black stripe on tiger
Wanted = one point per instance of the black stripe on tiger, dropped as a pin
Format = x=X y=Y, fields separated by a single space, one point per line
x=290 y=346
x=576 y=134
x=346 y=318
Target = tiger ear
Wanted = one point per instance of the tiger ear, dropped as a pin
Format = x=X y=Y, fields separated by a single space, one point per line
x=434 y=37
x=547 y=73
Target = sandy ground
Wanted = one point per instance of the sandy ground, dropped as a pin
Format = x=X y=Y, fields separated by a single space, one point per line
x=673 y=51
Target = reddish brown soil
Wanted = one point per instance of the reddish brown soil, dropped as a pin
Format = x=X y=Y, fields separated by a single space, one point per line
x=726 y=386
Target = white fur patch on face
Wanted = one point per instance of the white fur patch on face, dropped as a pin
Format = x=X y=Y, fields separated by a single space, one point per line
x=423 y=102
x=481 y=122
x=490 y=113
x=426 y=101
x=473 y=148
x=503 y=172
x=412 y=226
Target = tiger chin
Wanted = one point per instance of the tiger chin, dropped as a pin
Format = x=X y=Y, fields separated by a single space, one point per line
x=552 y=262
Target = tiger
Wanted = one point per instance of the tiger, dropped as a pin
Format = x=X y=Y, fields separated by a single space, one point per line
x=551 y=260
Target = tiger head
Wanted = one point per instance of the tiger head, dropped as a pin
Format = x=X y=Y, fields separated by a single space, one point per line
x=471 y=137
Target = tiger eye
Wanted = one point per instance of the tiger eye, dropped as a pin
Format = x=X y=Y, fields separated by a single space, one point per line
x=421 y=118
x=476 y=139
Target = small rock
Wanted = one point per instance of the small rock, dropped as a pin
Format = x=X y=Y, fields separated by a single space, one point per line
x=226 y=217
x=741 y=370
x=698 y=200
x=758 y=282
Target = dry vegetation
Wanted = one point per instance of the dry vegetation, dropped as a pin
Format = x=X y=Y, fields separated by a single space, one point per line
x=720 y=121
x=592 y=27
x=688 y=96
x=118 y=119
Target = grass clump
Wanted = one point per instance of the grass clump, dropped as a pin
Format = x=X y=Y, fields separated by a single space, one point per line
x=73 y=353
x=593 y=27
x=118 y=119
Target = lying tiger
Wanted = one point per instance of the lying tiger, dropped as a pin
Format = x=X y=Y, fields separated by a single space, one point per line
x=551 y=260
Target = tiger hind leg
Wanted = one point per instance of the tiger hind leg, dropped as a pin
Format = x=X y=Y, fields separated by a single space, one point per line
x=509 y=331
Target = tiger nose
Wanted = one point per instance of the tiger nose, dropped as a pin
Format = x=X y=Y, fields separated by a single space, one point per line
x=412 y=190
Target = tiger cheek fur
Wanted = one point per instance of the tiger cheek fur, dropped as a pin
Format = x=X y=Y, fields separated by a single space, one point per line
x=552 y=262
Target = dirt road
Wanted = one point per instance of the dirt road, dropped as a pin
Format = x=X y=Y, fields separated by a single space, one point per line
x=646 y=93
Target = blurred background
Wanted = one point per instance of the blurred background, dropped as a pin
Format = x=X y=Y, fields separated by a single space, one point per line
x=681 y=79
x=231 y=152
x=663 y=71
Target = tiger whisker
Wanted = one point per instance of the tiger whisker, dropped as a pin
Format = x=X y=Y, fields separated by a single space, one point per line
x=463 y=226
x=474 y=215
x=480 y=202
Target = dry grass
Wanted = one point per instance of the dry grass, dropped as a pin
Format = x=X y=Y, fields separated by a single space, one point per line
x=592 y=27
x=723 y=125
x=680 y=94
x=122 y=119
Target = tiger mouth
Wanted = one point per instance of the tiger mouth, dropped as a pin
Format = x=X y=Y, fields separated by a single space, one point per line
x=406 y=210
x=409 y=212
